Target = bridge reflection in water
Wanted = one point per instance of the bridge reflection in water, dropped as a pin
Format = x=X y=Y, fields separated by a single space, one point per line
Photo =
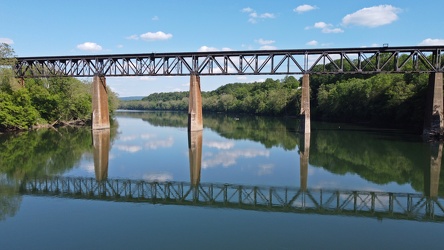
x=408 y=206
x=275 y=199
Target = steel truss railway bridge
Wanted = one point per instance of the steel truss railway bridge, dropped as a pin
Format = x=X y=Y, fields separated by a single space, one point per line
x=380 y=205
x=412 y=59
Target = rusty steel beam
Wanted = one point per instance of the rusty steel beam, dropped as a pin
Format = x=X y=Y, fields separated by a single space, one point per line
x=414 y=59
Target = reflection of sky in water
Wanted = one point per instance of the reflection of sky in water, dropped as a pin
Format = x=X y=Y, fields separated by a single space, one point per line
x=144 y=151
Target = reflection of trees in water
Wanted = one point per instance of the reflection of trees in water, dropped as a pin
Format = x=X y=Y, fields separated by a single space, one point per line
x=10 y=199
x=44 y=152
x=375 y=158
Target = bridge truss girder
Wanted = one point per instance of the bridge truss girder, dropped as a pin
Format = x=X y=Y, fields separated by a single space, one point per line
x=420 y=59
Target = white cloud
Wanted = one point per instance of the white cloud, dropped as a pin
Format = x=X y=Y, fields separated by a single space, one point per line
x=156 y=36
x=373 y=16
x=207 y=49
x=430 y=41
x=247 y=10
x=254 y=16
x=326 y=28
x=133 y=37
x=6 y=40
x=312 y=43
x=267 y=15
x=304 y=8
x=268 y=47
x=264 y=42
x=89 y=46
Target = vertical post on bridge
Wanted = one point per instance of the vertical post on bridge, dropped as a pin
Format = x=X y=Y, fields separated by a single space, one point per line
x=195 y=122
x=100 y=114
x=305 y=104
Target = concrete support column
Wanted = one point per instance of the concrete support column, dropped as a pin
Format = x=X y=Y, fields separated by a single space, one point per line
x=433 y=120
x=195 y=155
x=305 y=104
x=304 y=155
x=101 y=143
x=100 y=114
x=195 y=122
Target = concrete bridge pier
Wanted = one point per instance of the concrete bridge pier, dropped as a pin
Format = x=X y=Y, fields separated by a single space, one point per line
x=195 y=155
x=431 y=173
x=101 y=143
x=433 y=120
x=100 y=112
x=195 y=122
x=304 y=155
x=305 y=104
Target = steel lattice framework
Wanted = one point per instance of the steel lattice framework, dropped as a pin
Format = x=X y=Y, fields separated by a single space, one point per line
x=405 y=206
x=416 y=59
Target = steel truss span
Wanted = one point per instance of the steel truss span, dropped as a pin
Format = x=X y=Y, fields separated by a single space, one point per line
x=419 y=59
x=403 y=206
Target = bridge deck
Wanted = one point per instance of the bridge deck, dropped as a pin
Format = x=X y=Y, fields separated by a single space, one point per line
x=417 y=59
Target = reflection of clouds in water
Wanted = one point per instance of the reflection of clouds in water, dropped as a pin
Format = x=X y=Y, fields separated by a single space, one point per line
x=228 y=158
x=161 y=177
x=128 y=148
x=127 y=138
x=219 y=145
x=155 y=144
x=265 y=169
x=147 y=136
x=88 y=167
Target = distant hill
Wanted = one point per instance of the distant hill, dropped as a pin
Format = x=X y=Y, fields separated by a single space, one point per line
x=131 y=98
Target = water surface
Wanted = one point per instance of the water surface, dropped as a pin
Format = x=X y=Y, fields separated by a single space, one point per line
x=242 y=183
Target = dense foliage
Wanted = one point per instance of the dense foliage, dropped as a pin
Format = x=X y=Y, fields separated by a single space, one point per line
x=42 y=100
x=271 y=97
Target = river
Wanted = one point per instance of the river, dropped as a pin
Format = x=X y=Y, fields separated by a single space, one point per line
x=244 y=182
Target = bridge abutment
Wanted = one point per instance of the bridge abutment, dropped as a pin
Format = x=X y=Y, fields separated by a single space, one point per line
x=433 y=119
x=100 y=112
x=195 y=121
x=305 y=104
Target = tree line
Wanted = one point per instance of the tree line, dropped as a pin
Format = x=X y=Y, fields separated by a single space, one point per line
x=271 y=97
x=42 y=101
x=380 y=99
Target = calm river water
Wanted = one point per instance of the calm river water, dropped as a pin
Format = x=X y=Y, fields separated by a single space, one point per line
x=242 y=183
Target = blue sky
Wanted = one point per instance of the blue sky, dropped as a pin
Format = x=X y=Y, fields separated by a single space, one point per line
x=59 y=27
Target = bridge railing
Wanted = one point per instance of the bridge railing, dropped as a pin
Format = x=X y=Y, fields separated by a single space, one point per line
x=419 y=59
x=406 y=206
